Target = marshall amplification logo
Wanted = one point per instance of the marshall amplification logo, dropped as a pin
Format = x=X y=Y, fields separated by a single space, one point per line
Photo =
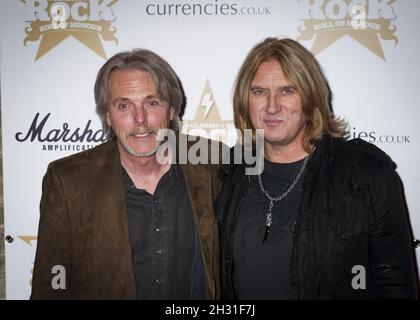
x=207 y=121
x=53 y=21
x=62 y=137
x=364 y=20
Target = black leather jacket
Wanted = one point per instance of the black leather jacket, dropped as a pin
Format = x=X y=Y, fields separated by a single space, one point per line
x=352 y=215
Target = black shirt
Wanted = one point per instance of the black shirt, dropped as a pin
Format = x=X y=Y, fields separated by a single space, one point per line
x=261 y=270
x=163 y=238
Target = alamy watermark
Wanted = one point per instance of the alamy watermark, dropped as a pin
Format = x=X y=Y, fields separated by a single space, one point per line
x=359 y=280
x=203 y=151
x=58 y=281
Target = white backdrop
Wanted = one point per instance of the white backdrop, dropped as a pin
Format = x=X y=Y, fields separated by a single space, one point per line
x=47 y=81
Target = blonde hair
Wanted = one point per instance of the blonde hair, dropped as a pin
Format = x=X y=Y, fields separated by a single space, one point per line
x=301 y=67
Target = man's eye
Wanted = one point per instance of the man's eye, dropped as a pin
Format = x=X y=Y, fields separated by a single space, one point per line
x=287 y=92
x=153 y=103
x=258 y=92
x=123 y=106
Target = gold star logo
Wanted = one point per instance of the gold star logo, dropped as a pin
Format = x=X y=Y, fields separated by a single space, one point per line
x=54 y=21
x=362 y=29
x=28 y=239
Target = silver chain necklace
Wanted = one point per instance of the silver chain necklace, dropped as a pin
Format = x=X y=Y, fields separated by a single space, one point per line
x=268 y=216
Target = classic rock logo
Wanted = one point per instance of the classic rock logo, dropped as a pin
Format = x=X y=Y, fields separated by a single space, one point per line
x=364 y=20
x=207 y=121
x=53 y=21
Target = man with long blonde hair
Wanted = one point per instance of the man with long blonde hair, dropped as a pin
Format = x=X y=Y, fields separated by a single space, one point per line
x=325 y=219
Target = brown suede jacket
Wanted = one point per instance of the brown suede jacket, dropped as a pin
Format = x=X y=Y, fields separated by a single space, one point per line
x=83 y=227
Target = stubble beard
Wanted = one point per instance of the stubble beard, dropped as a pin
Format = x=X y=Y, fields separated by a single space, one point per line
x=150 y=130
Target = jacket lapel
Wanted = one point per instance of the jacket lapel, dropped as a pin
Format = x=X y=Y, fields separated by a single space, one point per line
x=198 y=182
x=111 y=222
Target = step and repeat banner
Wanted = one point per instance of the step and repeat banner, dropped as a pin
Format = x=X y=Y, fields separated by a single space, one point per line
x=52 y=50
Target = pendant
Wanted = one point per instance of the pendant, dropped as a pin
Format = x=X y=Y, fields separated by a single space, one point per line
x=267 y=231
x=268 y=221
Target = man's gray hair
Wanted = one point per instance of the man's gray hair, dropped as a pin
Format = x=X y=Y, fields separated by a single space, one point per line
x=168 y=85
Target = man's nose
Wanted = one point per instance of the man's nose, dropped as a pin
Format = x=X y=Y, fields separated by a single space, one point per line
x=273 y=104
x=140 y=115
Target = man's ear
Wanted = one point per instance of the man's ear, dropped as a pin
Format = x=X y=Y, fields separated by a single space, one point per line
x=171 y=113
x=108 y=120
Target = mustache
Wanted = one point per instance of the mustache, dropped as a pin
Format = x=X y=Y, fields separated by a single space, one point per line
x=143 y=130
